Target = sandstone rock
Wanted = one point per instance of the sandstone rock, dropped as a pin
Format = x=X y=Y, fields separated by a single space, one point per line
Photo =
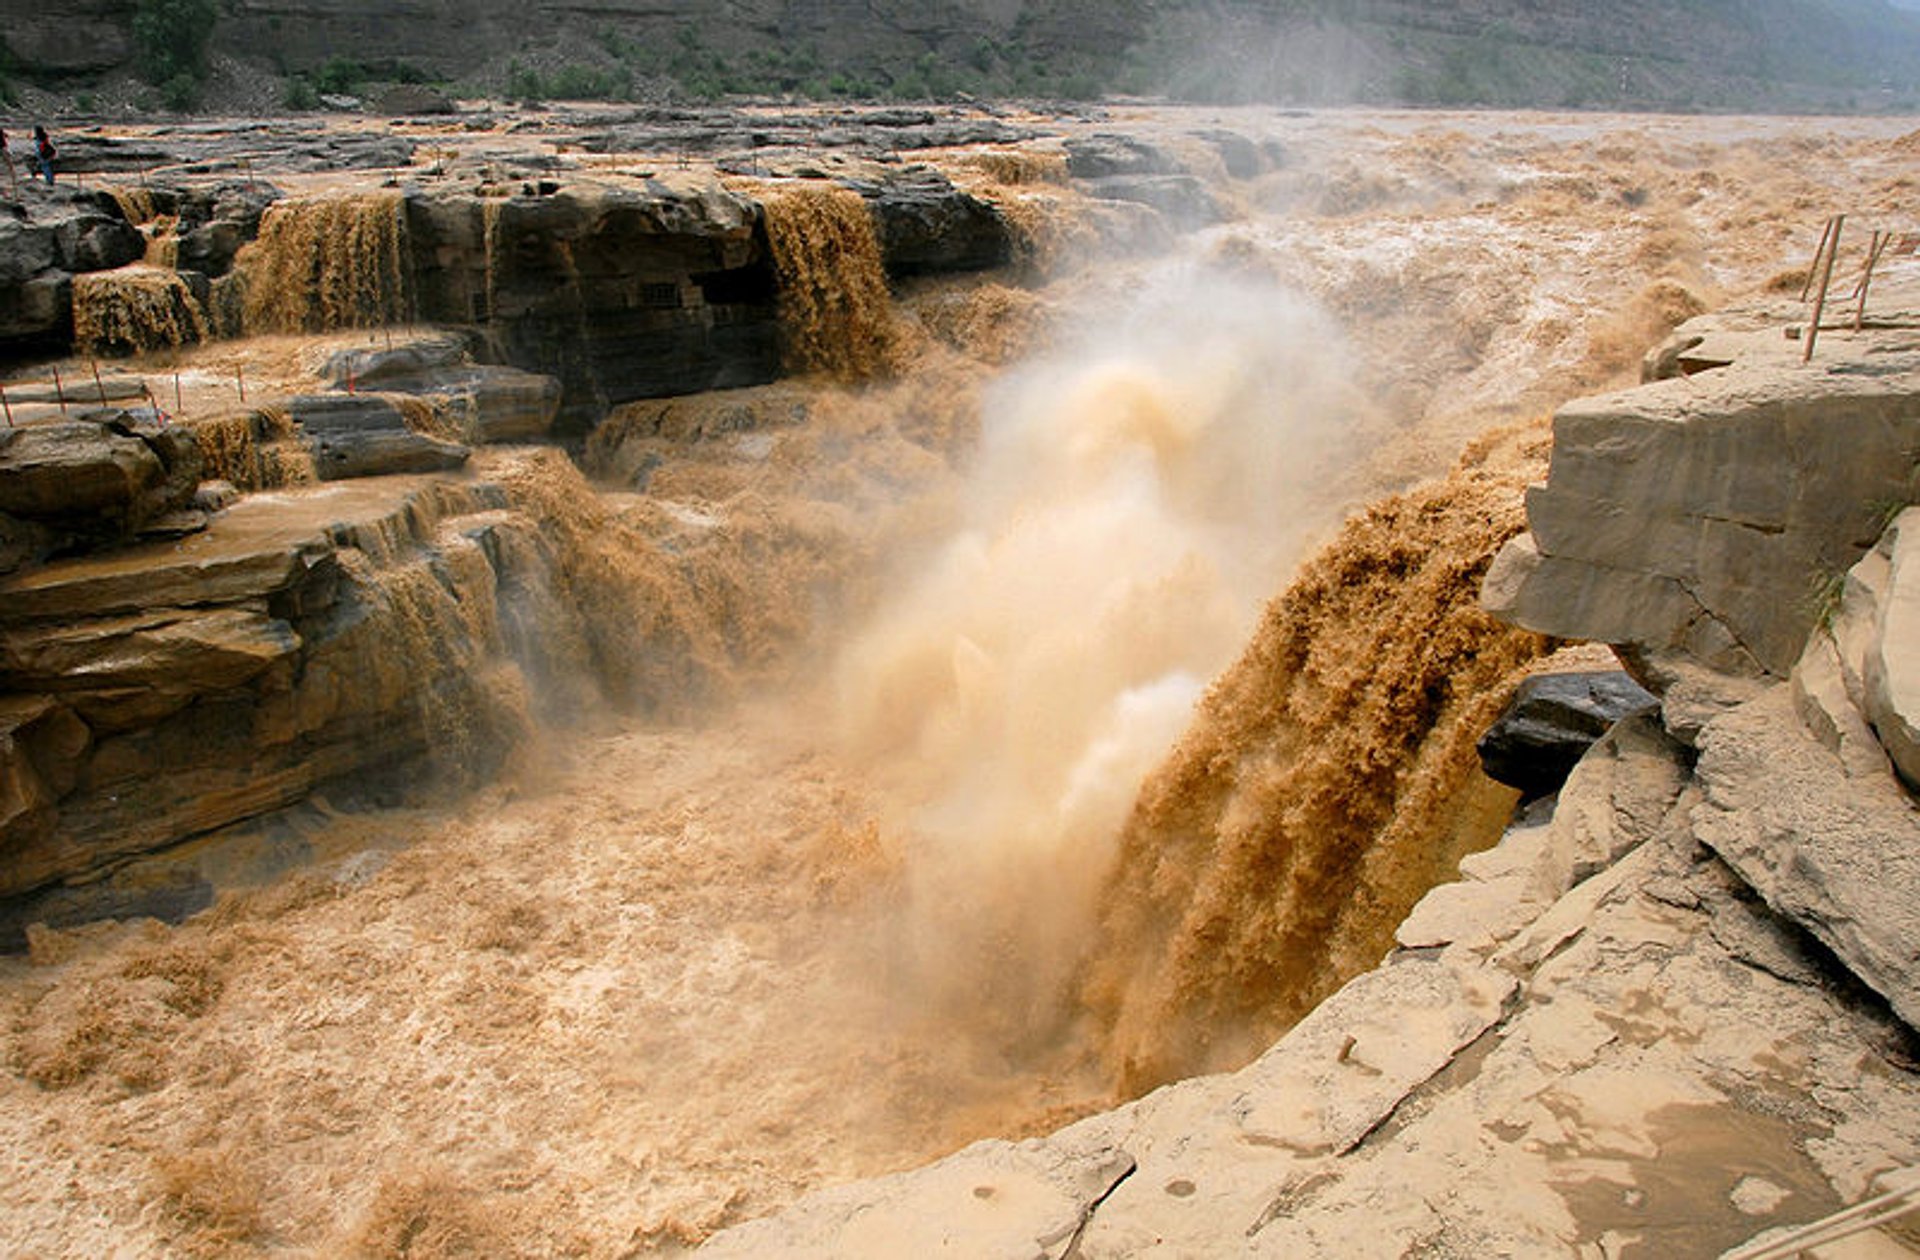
x=1242 y=157
x=487 y=403
x=616 y=293
x=42 y=743
x=1551 y=722
x=130 y=671
x=41 y=246
x=332 y=631
x=213 y=223
x=1599 y=1082
x=366 y=435
x=993 y=1199
x=1892 y=671
x=403 y=365
x=91 y=479
x=76 y=470
x=926 y=225
x=1837 y=854
x=1694 y=520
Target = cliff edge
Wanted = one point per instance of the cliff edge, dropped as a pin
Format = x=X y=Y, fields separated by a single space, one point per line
x=1673 y=1014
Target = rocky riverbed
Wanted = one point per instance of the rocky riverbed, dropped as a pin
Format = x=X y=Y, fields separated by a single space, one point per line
x=666 y=655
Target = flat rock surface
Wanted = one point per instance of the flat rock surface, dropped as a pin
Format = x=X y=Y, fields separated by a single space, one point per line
x=1647 y=1062
x=253 y=549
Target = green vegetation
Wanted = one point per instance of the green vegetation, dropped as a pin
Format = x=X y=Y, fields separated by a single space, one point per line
x=344 y=76
x=170 y=38
x=690 y=66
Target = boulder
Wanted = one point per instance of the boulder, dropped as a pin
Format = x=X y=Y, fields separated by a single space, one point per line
x=1242 y=157
x=77 y=470
x=367 y=435
x=91 y=479
x=1551 y=722
x=402 y=364
x=414 y=99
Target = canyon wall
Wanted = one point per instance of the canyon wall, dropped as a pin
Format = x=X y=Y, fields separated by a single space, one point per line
x=1675 y=1007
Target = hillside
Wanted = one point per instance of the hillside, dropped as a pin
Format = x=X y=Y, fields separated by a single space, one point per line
x=1788 y=55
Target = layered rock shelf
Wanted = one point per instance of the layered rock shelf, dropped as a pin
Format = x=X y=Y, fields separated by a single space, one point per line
x=305 y=637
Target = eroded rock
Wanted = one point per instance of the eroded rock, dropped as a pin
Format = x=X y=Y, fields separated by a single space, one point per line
x=1552 y=721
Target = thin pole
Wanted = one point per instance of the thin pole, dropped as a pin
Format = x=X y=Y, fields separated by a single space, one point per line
x=1813 y=268
x=240 y=379
x=97 y=382
x=59 y=391
x=6 y=406
x=1820 y=299
x=177 y=408
x=1880 y=242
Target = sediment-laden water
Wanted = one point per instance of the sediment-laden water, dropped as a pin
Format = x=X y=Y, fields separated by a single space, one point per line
x=1033 y=729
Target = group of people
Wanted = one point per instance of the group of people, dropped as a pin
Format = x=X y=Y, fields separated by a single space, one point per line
x=42 y=155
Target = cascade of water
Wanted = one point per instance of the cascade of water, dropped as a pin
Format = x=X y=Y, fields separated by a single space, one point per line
x=328 y=263
x=1328 y=780
x=134 y=309
x=836 y=315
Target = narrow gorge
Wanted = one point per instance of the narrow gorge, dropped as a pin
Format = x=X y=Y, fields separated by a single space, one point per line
x=576 y=682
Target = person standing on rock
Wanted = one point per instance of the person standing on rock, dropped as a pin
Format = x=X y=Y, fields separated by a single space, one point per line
x=43 y=152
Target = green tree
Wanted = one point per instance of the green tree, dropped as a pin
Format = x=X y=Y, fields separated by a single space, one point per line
x=171 y=38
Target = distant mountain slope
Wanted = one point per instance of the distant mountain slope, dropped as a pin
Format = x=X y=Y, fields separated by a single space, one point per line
x=1700 y=54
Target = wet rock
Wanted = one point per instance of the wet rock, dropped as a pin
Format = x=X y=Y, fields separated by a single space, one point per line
x=1108 y=154
x=213 y=223
x=1184 y=199
x=132 y=670
x=927 y=225
x=81 y=481
x=42 y=245
x=366 y=435
x=77 y=470
x=1242 y=157
x=485 y=402
x=1552 y=721
x=185 y=686
x=616 y=293
x=414 y=358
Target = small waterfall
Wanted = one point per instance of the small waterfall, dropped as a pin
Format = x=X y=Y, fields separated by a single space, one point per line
x=256 y=449
x=134 y=309
x=836 y=315
x=328 y=263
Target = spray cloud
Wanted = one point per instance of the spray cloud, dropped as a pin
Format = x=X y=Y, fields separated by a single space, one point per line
x=1136 y=494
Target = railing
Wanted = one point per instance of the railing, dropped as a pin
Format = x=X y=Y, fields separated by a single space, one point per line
x=1862 y=1216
